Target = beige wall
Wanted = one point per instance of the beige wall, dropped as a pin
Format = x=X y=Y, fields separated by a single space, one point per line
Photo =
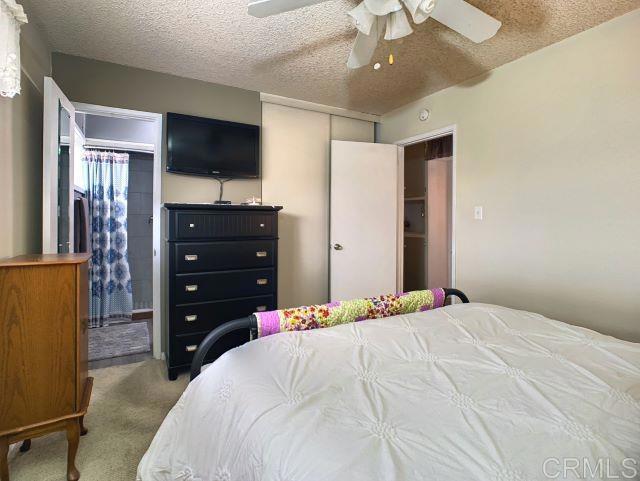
x=102 y=83
x=296 y=165
x=549 y=146
x=21 y=152
x=353 y=130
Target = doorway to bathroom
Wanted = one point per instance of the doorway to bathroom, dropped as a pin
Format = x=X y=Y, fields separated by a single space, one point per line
x=92 y=157
x=129 y=142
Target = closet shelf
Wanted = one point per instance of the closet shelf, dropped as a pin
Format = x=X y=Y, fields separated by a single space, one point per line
x=415 y=199
x=414 y=234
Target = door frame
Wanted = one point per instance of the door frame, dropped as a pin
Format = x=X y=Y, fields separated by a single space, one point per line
x=416 y=139
x=158 y=162
x=51 y=117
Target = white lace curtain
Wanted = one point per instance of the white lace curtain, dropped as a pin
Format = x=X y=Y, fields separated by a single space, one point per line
x=12 y=17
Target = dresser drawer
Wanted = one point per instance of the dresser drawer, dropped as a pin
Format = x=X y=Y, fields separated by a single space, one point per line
x=214 y=256
x=187 y=225
x=207 y=316
x=183 y=347
x=213 y=286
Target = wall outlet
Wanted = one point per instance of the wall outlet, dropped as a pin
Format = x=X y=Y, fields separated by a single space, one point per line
x=478 y=214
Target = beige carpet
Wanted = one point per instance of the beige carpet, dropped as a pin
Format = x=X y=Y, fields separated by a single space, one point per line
x=127 y=406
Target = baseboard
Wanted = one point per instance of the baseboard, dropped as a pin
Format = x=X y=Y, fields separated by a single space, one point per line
x=142 y=314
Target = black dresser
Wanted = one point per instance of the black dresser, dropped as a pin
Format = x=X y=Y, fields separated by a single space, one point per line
x=222 y=265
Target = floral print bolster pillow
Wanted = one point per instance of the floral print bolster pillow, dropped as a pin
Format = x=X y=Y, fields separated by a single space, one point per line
x=341 y=312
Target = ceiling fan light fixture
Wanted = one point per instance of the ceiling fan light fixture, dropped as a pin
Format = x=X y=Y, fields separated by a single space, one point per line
x=427 y=6
x=398 y=26
x=420 y=10
x=363 y=19
x=412 y=6
x=383 y=7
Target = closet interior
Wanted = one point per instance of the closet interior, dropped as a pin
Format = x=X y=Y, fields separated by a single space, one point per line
x=428 y=175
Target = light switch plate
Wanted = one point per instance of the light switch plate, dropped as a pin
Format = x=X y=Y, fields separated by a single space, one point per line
x=478 y=214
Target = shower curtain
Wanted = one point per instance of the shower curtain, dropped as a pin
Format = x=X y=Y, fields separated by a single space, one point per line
x=110 y=296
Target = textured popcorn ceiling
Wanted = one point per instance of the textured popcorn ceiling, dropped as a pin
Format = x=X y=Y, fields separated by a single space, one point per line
x=302 y=54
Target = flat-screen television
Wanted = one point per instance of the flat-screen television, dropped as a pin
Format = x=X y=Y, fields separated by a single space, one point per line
x=215 y=148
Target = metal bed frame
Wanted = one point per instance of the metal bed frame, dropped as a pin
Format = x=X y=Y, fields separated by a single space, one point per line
x=251 y=323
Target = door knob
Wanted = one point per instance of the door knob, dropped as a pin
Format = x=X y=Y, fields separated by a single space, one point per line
x=337 y=247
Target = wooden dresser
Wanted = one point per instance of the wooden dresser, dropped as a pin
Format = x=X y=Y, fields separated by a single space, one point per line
x=222 y=265
x=44 y=385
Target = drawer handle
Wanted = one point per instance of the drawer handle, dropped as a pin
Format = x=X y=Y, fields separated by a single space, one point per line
x=191 y=257
x=262 y=282
x=191 y=348
x=261 y=254
x=191 y=318
x=261 y=308
x=191 y=226
x=191 y=288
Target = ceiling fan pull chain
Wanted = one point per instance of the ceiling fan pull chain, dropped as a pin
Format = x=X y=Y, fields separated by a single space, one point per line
x=391 y=59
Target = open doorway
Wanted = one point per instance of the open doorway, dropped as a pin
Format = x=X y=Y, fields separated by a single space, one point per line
x=426 y=204
x=130 y=143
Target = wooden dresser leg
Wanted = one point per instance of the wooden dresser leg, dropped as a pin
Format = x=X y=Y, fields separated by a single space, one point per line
x=83 y=429
x=73 y=440
x=4 y=463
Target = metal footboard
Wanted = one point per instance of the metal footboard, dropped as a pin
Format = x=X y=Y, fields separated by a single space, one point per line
x=250 y=322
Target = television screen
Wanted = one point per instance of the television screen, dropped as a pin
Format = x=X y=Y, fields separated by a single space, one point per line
x=215 y=148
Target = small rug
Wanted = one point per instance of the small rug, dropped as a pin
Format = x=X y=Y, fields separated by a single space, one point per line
x=118 y=340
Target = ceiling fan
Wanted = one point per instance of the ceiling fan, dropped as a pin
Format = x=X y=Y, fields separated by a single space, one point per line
x=372 y=17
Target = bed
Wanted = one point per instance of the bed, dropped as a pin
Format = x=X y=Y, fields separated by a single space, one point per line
x=463 y=392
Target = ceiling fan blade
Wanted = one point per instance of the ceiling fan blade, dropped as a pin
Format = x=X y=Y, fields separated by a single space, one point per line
x=362 y=50
x=466 y=19
x=365 y=45
x=362 y=18
x=266 y=8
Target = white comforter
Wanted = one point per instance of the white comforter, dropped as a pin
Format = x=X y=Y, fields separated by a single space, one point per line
x=466 y=392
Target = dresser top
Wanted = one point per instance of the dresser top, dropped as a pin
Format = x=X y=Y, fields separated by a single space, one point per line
x=221 y=207
x=40 y=259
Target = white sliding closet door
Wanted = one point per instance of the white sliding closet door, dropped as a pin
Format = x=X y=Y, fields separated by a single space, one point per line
x=296 y=144
x=295 y=174
x=364 y=219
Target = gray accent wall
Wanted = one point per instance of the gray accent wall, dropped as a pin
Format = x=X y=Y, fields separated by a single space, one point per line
x=103 y=83
x=21 y=151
